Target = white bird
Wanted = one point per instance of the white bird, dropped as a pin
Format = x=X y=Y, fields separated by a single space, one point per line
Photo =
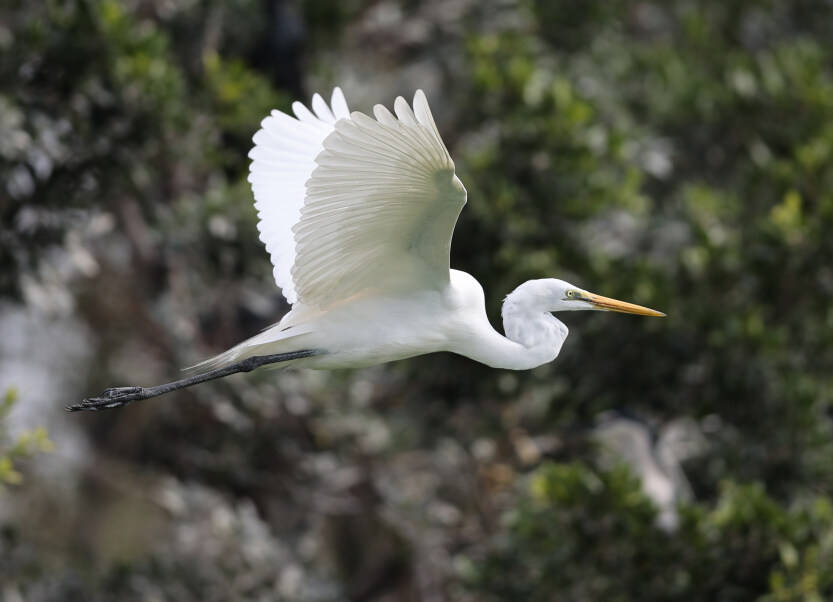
x=357 y=215
x=657 y=462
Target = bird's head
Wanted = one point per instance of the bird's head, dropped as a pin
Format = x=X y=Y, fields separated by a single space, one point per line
x=551 y=294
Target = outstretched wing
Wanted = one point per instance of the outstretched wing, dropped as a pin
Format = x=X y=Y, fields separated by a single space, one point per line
x=283 y=159
x=380 y=208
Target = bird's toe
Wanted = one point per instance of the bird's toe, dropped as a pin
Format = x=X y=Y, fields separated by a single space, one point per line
x=113 y=397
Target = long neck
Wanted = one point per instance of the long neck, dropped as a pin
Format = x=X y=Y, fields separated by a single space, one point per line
x=532 y=338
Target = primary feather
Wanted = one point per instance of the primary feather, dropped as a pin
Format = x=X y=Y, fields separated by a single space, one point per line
x=283 y=159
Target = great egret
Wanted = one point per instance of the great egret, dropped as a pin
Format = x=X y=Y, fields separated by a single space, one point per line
x=357 y=215
x=655 y=457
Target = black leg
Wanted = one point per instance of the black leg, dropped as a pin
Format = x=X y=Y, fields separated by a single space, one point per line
x=117 y=397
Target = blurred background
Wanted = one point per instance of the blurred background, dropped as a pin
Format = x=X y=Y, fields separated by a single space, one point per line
x=676 y=154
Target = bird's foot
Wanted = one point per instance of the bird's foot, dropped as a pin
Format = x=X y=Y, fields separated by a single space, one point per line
x=114 y=397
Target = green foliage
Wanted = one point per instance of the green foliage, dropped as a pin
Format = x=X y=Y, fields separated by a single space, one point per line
x=677 y=154
x=118 y=117
x=238 y=93
x=586 y=534
x=26 y=444
x=673 y=154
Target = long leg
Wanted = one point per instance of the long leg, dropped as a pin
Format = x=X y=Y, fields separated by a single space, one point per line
x=117 y=397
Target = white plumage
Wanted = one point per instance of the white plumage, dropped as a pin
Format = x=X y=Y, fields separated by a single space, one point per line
x=357 y=216
x=379 y=211
x=354 y=204
x=283 y=159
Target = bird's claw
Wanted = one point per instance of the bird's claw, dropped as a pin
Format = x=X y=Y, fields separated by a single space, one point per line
x=113 y=397
x=117 y=392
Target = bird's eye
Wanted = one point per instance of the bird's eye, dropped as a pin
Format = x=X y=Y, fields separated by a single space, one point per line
x=571 y=293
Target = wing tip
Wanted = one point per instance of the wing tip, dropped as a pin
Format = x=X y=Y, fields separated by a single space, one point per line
x=338 y=103
x=298 y=108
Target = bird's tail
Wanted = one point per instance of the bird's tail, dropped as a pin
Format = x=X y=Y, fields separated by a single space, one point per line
x=274 y=339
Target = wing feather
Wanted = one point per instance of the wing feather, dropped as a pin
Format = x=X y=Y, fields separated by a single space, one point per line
x=322 y=111
x=339 y=105
x=283 y=159
x=380 y=206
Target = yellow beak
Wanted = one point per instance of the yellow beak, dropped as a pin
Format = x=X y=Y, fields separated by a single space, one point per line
x=608 y=304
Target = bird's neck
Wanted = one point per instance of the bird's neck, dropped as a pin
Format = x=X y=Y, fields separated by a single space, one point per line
x=532 y=338
x=532 y=326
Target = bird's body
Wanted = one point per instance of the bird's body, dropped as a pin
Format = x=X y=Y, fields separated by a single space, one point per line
x=373 y=329
x=357 y=216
